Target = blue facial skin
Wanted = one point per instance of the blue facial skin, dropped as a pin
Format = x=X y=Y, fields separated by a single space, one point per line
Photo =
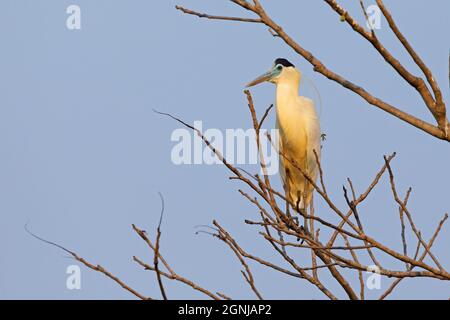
x=276 y=70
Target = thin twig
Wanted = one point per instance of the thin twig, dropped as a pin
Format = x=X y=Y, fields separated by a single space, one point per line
x=212 y=17
x=156 y=251
x=97 y=268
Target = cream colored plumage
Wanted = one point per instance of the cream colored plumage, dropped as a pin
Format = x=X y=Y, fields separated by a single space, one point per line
x=299 y=132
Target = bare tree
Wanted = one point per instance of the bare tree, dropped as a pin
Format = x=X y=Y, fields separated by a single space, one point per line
x=335 y=244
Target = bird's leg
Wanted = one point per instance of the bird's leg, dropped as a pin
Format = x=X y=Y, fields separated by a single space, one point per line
x=305 y=197
x=303 y=213
x=283 y=247
x=311 y=213
x=305 y=209
x=287 y=207
x=287 y=192
x=289 y=198
x=288 y=213
x=297 y=204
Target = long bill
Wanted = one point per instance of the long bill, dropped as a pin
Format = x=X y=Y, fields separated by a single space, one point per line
x=265 y=77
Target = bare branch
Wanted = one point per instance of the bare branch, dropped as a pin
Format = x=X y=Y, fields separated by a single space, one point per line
x=179 y=278
x=430 y=244
x=97 y=267
x=156 y=251
x=438 y=109
x=212 y=17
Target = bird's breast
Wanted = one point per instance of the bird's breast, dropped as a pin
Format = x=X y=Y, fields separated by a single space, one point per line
x=298 y=126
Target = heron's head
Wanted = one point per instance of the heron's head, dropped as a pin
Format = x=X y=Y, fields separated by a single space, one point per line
x=282 y=71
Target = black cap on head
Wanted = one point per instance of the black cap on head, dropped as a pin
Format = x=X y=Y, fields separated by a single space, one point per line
x=283 y=62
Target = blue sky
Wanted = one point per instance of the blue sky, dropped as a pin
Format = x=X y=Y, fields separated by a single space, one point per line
x=83 y=155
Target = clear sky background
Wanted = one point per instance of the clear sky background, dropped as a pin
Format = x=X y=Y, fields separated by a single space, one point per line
x=82 y=154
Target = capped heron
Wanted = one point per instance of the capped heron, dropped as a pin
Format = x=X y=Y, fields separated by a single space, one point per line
x=299 y=133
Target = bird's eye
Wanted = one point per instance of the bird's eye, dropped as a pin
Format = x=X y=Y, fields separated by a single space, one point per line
x=279 y=67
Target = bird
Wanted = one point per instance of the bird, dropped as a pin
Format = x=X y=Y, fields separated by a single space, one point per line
x=299 y=135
